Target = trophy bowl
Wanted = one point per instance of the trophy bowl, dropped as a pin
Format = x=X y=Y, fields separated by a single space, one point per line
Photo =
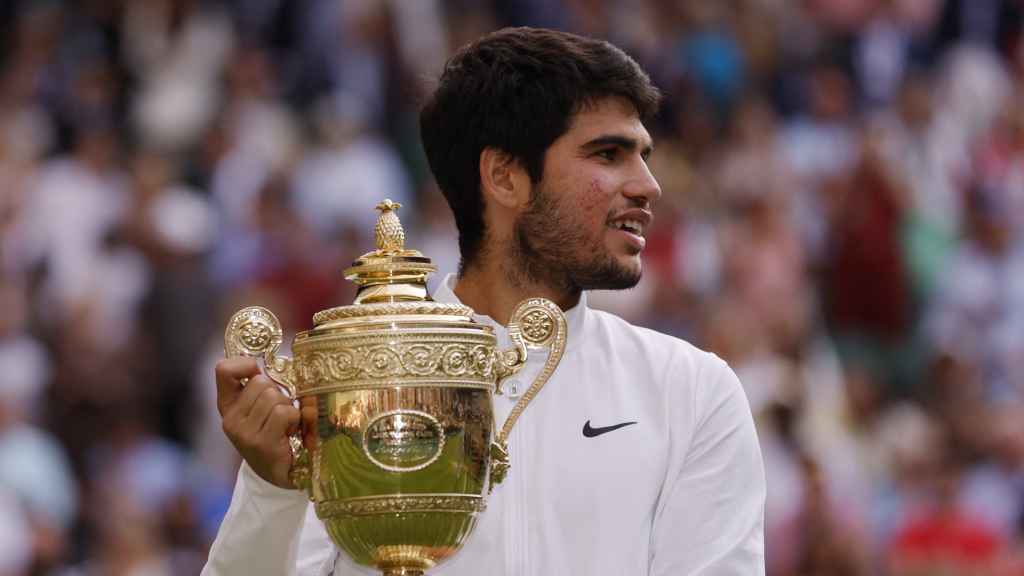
x=398 y=448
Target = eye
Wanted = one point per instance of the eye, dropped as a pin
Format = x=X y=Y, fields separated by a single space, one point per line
x=608 y=154
x=645 y=155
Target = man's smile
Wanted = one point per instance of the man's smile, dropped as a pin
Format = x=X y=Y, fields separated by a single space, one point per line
x=632 y=224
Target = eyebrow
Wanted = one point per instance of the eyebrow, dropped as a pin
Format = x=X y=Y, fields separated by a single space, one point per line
x=626 y=143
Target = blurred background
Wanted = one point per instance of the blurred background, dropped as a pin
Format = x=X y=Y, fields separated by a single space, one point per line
x=842 y=221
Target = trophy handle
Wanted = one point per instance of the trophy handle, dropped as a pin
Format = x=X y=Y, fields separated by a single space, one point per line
x=256 y=332
x=536 y=324
x=508 y=362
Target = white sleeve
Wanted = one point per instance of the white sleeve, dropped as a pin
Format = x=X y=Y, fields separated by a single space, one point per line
x=266 y=531
x=710 y=517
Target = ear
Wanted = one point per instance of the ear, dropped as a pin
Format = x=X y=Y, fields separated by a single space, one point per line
x=503 y=179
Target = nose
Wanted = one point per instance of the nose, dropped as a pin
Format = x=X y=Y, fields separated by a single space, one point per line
x=643 y=186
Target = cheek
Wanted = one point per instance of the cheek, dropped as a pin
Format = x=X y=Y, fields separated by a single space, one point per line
x=594 y=204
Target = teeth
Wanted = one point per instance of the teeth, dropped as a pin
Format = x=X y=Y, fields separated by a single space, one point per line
x=631 y=226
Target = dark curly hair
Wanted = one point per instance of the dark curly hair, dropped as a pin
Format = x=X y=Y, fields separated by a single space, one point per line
x=517 y=90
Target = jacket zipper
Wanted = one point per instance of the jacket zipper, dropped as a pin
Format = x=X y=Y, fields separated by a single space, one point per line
x=522 y=507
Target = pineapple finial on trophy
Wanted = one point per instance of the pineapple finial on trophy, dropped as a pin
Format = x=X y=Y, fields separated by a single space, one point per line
x=391 y=273
x=388 y=232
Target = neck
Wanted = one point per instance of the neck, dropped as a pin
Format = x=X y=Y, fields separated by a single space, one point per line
x=489 y=289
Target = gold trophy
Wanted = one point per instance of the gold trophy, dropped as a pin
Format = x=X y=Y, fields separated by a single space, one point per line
x=398 y=449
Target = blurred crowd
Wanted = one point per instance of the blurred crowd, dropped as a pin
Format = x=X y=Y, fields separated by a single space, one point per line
x=842 y=220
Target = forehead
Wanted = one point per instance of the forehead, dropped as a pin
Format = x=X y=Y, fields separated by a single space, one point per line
x=604 y=117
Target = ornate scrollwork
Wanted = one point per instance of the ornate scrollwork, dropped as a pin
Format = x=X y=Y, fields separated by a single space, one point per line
x=254 y=336
x=538 y=322
x=301 y=473
x=256 y=332
x=499 y=464
x=390 y=361
x=397 y=504
x=252 y=331
x=421 y=359
x=456 y=361
x=538 y=325
x=382 y=362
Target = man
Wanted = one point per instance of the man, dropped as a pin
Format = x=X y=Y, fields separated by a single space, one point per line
x=639 y=456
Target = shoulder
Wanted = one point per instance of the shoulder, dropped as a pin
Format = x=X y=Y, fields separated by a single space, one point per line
x=679 y=361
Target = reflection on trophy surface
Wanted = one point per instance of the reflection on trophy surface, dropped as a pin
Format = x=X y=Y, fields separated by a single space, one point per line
x=398 y=446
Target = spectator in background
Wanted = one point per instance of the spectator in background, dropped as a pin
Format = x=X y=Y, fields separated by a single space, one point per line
x=999 y=167
x=942 y=537
x=35 y=473
x=709 y=55
x=139 y=494
x=896 y=39
x=78 y=202
x=172 y=226
x=176 y=51
x=994 y=490
x=828 y=547
x=873 y=323
x=931 y=164
x=763 y=257
x=260 y=133
x=336 y=185
x=975 y=316
x=17 y=549
x=820 y=145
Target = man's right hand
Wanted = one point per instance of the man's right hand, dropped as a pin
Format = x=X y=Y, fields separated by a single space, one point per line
x=257 y=417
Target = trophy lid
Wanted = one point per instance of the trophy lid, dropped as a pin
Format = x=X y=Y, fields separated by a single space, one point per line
x=392 y=283
x=391 y=273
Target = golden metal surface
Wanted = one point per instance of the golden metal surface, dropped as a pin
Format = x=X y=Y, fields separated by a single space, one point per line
x=395 y=504
x=404 y=309
x=381 y=358
x=398 y=448
x=390 y=273
x=388 y=232
x=541 y=324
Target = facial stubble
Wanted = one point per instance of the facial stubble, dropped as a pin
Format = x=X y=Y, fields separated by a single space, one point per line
x=549 y=249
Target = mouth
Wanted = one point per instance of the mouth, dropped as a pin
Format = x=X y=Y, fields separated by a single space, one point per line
x=634 y=227
x=633 y=224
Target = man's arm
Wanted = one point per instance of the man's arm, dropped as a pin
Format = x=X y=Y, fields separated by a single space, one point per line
x=260 y=533
x=710 y=518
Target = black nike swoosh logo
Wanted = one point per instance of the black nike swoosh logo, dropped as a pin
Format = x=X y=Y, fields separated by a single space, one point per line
x=590 y=432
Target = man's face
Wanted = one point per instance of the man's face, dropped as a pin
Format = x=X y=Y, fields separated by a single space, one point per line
x=585 y=225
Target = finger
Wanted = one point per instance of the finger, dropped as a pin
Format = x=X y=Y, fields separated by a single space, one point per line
x=230 y=372
x=282 y=420
x=252 y=392
x=262 y=408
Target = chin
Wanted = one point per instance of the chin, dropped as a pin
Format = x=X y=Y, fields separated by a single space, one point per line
x=631 y=266
x=612 y=276
x=624 y=282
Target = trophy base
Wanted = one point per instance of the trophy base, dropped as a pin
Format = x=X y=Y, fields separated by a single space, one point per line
x=403 y=560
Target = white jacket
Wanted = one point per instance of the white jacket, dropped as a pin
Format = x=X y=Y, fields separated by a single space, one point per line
x=680 y=492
